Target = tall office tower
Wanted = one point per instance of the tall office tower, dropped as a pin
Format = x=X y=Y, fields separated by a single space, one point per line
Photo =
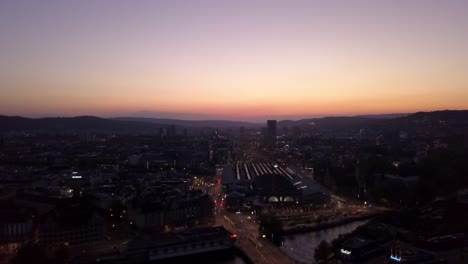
x=271 y=129
x=172 y=131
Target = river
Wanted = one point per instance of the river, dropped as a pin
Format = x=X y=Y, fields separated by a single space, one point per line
x=301 y=246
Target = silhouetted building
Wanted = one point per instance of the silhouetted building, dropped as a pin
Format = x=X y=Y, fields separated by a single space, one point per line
x=271 y=124
x=161 y=205
x=275 y=188
x=16 y=226
x=242 y=130
x=271 y=132
x=358 y=249
x=72 y=223
x=172 y=131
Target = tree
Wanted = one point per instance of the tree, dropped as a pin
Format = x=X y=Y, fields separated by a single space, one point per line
x=271 y=227
x=322 y=252
x=31 y=253
x=62 y=254
x=337 y=242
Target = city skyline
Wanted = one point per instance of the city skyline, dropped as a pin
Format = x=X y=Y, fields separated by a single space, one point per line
x=237 y=61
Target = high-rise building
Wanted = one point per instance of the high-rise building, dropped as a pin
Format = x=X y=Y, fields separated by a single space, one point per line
x=271 y=129
x=242 y=130
x=171 y=131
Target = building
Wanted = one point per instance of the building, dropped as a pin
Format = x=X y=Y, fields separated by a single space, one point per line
x=161 y=206
x=358 y=249
x=73 y=223
x=272 y=184
x=172 y=131
x=16 y=226
x=447 y=242
x=271 y=130
x=412 y=255
x=190 y=242
x=275 y=188
x=168 y=246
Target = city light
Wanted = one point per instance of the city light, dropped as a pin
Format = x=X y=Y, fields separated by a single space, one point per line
x=346 y=252
x=366 y=107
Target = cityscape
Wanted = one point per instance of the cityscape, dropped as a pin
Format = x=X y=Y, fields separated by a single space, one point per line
x=233 y=132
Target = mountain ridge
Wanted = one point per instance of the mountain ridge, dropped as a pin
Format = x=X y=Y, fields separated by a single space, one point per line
x=15 y=123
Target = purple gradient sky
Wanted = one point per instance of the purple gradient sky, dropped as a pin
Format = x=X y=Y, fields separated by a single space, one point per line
x=232 y=59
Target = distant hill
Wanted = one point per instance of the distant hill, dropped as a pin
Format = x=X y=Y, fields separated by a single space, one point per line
x=340 y=122
x=449 y=118
x=92 y=123
x=444 y=115
x=189 y=123
x=79 y=123
x=452 y=118
x=385 y=116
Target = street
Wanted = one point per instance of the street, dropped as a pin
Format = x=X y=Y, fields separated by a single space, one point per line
x=259 y=250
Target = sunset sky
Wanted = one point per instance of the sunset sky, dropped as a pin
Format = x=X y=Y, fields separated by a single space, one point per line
x=242 y=60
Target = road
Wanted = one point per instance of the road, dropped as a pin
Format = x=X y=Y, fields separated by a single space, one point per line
x=246 y=229
x=260 y=250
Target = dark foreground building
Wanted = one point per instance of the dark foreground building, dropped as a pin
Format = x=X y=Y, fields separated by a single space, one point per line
x=169 y=245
